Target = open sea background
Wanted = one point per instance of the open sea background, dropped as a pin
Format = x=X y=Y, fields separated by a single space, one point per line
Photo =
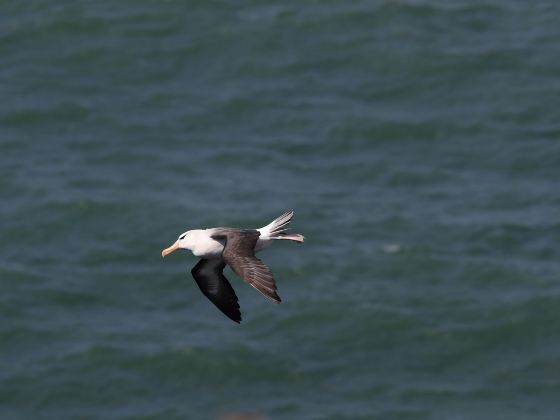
x=417 y=141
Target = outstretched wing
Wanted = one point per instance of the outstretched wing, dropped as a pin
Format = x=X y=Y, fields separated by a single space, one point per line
x=239 y=254
x=208 y=274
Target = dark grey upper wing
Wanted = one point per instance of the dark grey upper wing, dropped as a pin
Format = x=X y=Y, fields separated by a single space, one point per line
x=239 y=254
x=209 y=276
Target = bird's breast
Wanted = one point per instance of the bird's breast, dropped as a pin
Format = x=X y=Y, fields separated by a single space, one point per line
x=207 y=247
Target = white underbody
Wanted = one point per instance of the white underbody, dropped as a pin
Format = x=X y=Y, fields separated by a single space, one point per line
x=203 y=246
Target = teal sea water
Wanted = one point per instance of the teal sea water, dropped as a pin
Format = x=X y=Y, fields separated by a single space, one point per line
x=417 y=141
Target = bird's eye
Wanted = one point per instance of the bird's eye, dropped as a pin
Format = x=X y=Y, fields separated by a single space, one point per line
x=182 y=237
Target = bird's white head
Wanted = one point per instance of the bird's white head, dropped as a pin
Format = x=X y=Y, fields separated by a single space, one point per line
x=184 y=241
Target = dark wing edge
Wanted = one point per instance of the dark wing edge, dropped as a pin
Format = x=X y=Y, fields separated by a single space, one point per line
x=239 y=254
x=209 y=276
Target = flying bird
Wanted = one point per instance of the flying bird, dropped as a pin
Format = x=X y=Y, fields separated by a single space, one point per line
x=218 y=247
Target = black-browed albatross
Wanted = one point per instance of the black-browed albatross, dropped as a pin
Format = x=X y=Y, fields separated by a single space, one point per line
x=217 y=247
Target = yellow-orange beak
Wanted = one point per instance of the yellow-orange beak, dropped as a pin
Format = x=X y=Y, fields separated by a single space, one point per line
x=172 y=248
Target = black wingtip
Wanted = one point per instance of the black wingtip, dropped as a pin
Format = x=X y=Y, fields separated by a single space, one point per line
x=235 y=317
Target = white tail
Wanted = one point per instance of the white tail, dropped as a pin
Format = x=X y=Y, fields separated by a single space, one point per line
x=277 y=229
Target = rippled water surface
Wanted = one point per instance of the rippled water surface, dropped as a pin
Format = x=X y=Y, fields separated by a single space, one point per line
x=417 y=141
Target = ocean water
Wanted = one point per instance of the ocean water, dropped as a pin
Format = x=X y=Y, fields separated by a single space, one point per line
x=416 y=140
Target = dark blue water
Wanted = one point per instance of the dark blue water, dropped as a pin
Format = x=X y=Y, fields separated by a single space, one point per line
x=417 y=142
